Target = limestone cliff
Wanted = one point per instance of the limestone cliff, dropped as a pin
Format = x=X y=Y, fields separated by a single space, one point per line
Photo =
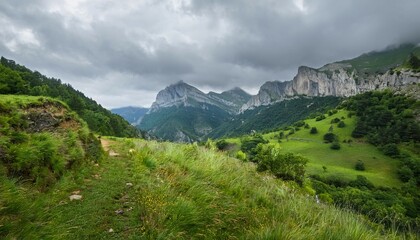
x=331 y=80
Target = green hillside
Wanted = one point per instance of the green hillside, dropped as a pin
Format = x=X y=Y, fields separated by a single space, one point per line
x=17 y=79
x=266 y=118
x=380 y=169
x=382 y=61
x=363 y=156
x=183 y=123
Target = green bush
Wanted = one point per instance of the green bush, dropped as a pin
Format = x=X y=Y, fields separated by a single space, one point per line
x=241 y=155
x=320 y=117
x=314 y=130
x=250 y=143
x=405 y=173
x=330 y=137
x=390 y=150
x=335 y=145
x=287 y=166
x=221 y=144
x=335 y=120
x=360 y=166
x=341 y=124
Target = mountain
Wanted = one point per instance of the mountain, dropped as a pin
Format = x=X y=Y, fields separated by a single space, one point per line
x=17 y=79
x=185 y=95
x=181 y=112
x=133 y=115
x=371 y=71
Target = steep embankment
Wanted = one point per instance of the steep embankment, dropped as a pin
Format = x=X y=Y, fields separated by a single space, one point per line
x=42 y=142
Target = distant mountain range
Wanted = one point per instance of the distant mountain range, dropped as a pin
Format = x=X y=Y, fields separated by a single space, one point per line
x=182 y=112
x=133 y=115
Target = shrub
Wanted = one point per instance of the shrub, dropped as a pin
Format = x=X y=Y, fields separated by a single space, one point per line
x=320 y=117
x=341 y=124
x=390 y=150
x=286 y=166
x=292 y=131
x=405 y=173
x=249 y=144
x=330 y=137
x=335 y=120
x=221 y=144
x=241 y=155
x=361 y=181
x=314 y=130
x=335 y=146
x=300 y=123
x=360 y=166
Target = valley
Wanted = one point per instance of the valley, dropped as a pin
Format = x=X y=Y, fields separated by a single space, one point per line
x=303 y=166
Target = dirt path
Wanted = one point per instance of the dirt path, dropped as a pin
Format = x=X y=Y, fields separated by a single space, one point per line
x=106 y=145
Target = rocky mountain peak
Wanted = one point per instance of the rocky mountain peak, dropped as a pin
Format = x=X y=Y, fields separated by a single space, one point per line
x=177 y=94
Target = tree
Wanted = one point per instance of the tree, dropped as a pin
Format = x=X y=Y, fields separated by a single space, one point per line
x=414 y=61
x=405 y=174
x=314 y=130
x=390 y=150
x=360 y=166
x=330 y=137
x=341 y=124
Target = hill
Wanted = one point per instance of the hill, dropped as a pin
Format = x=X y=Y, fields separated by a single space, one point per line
x=362 y=156
x=17 y=79
x=382 y=61
x=271 y=117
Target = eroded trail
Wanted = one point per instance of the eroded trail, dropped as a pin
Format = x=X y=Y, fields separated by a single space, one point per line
x=106 y=146
x=108 y=207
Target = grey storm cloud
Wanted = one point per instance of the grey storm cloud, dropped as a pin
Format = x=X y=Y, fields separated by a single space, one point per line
x=123 y=52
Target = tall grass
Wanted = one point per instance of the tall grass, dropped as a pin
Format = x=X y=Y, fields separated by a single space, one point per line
x=191 y=192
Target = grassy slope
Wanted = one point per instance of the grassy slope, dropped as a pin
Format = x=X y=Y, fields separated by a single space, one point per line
x=384 y=60
x=380 y=169
x=181 y=192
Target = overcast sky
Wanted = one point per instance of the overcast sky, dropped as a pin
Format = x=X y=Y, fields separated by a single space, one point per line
x=122 y=52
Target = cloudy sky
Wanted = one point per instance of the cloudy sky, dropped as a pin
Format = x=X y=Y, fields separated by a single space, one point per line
x=122 y=52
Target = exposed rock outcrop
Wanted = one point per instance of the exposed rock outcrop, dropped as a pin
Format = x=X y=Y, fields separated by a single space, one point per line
x=330 y=80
